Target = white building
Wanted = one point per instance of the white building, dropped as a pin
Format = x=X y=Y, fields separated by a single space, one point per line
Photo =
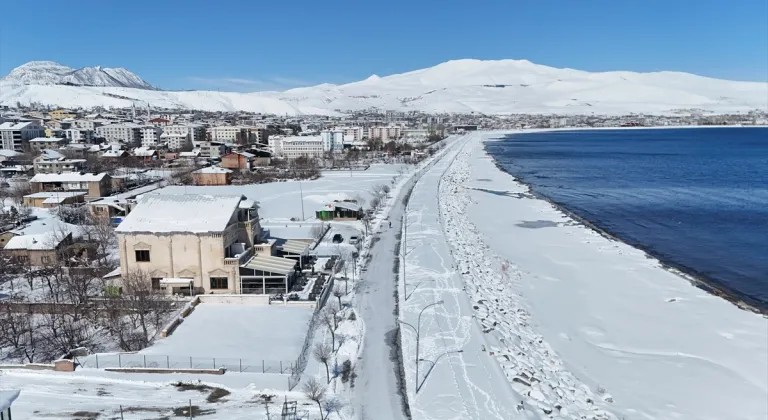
x=78 y=135
x=13 y=135
x=212 y=149
x=385 y=133
x=275 y=145
x=229 y=134
x=87 y=124
x=356 y=132
x=150 y=135
x=129 y=133
x=194 y=132
x=298 y=146
x=176 y=141
x=332 y=140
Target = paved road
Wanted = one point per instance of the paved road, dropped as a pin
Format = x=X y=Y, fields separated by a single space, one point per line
x=376 y=387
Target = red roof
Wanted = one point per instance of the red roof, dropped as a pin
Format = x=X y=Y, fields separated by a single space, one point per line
x=158 y=120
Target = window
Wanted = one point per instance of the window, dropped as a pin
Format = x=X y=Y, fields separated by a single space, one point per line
x=219 y=283
x=45 y=259
x=156 y=283
x=142 y=256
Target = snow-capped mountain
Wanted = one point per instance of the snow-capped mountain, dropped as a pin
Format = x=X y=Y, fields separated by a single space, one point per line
x=488 y=87
x=52 y=73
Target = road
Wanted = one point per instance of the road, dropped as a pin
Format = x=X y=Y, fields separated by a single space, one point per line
x=377 y=395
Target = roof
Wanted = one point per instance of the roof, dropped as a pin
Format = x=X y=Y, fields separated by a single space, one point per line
x=246 y=154
x=213 y=170
x=51 y=154
x=68 y=177
x=55 y=194
x=294 y=247
x=9 y=153
x=14 y=126
x=271 y=264
x=7 y=397
x=143 y=151
x=114 y=153
x=193 y=153
x=189 y=213
x=347 y=205
x=39 y=241
x=46 y=139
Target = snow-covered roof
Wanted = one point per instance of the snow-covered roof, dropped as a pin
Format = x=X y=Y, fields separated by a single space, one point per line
x=295 y=247
x=50 y=154
x=68 y=177
x=7 y=397
x=46 y=140
x=271 y=264
x=16 y=168
x=213 y=170
x=9 y=153
x=64 y=194
x=14 y=126
x=193 y=153
x=113 y=153
x=38 y=242
x=143 y=151
x=193 y=213
x=246 y=154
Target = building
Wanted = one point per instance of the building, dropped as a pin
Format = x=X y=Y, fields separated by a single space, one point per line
x=229 y=134
x=87 y=124
x=213 y=149
x=9 y=155
x=275 y=145
x=78 y=135
x=333 y=141
x=53 y=199
x=340 y=211
x=385 y=133
x=40 y=143
x=13 y=136
x=256 y=134
x=301 y=146
x=61 y=113
x=159 y=122
x=128 y=133
x=202 y=239
x=94 y=185
x=44 y=246
x=150 y=135
x=212 y=175
x=145 y=153
x=176 y=141
x=195 y=133
x=357 y=133
x=238 y=160
x=45 y=165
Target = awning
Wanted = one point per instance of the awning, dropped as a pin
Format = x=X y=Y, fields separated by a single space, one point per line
x=175 y=282
x=295 y=247
x=270 y=264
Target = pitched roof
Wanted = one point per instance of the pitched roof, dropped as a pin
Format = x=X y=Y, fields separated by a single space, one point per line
x=213 y=170
x=46 y=139
x=193 y=213
x=68 y=177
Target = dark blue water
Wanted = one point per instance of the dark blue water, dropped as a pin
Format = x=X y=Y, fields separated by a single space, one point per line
x=695 y=198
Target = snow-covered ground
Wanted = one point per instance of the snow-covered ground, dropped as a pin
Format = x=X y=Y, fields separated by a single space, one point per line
x=578 y=321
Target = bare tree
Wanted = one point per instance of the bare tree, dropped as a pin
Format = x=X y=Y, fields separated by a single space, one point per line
x=338 y=293
x=385 y=189
x=317 y=231
x=146 y=309
x=323 y=353
x=315 y=391
x=332 y=405
x=330 y=320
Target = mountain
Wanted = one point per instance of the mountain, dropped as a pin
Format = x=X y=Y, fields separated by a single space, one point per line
x=488 y=87
x=52 y=73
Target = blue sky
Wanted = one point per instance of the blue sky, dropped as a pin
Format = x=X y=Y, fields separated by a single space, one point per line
x=260 y=45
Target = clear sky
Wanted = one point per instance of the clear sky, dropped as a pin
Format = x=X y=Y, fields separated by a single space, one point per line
x=259 y=45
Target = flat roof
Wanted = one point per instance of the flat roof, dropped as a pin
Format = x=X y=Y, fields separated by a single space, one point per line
x=188 y=213
x=68 y=177
x=270 y=264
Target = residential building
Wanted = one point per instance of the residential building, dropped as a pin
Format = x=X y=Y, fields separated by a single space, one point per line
x=256 y=134
x=13 y=136
x=356 y=132
x=238 y=160
x=145 y=153
x=78 y=135
x=212 y=175
x=8 y=155
x=229 y=134
x=43 y=244
x=115 y=153
x=176 y=141
x=160 y=122
x=150 y=135
x=87 y=124
x=275 y=145
x=340 y=211
x=128 y=133
x=45 y=165
x=53 y=199
x=40 y=143
x=385 y=133
x=301 y=146
x=195 y=132
x=61 y=113
x=94 y=185
x=202 y=239
x=213 y=149
x=333 y=141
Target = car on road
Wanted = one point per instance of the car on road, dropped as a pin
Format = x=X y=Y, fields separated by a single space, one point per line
x=337 y=238
x=354 y=240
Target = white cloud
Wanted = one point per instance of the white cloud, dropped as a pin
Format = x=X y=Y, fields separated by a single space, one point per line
x=247 y=85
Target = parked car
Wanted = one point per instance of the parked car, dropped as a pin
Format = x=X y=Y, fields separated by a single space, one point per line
x=354 y=240
x=337 y=238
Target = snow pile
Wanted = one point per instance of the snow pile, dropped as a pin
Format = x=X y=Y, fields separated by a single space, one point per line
x=489 y=87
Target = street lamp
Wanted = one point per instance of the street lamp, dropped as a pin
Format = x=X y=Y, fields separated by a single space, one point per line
x=418 y=386
x=417 y=330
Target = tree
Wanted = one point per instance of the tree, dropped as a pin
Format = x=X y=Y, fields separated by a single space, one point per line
x=339 y=294
x=317 y=231
x=323 y=353
x=315 y=391
x=146 y=308
x=329 y=319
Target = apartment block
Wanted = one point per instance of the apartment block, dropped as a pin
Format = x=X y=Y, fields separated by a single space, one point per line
x=13 y=136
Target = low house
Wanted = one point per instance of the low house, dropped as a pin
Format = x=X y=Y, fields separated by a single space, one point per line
x=53 y=199
x=212 y=175
x=43 y=244
x=16 y=171
x=238 y=160
x=146 y=154
x=9 y=155
x=45 y=165
x=204 y=239
x=40 y=143
x=340 y=210
x=115 y=154
x=94 y=185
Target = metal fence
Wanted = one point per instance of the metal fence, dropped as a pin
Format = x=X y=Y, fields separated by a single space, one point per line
x=154 y=361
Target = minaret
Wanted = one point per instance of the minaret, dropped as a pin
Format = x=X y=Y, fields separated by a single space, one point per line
x=133 y=110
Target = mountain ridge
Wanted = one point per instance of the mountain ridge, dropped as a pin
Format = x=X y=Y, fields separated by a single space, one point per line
x=456 y=86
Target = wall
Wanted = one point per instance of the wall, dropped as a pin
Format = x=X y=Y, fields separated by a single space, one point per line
x=236 y=299
x=211 y=179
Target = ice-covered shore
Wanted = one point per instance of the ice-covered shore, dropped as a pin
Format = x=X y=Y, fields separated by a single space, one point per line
x=588 y=324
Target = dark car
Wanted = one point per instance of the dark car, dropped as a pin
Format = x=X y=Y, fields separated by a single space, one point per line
x=337 y=238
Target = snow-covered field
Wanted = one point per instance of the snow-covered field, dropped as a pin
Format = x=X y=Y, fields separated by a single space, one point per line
x=604 y=330
x=283 y=200
x=489 y=87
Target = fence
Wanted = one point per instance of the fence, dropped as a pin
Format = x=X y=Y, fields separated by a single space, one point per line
x=153 y=361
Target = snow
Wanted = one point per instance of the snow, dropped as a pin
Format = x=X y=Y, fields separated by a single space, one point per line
x=51 y=73
x=7 y=398
x=250 y=332
x=193 y=213
x=213 y=170
x=68 y=177
x=489 y=87
x=620 y=322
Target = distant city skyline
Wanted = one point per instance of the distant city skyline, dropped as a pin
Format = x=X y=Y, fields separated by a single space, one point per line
x=252 y=46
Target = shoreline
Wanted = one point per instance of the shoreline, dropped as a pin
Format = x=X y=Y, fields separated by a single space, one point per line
x=695 y=278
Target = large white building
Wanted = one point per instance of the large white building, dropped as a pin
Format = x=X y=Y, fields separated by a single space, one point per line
x=194 y=132
x=333 y=141
x=78 y=135
x=385 y=133
x=13 y=135
x=357 y=133
x=229 y=134
x=126 y=132
x=150 y=135
x=297 y=146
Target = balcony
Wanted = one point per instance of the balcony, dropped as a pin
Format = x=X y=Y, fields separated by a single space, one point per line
x=241 y=259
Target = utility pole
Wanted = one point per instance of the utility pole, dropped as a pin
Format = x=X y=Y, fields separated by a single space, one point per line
x=301 y=192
